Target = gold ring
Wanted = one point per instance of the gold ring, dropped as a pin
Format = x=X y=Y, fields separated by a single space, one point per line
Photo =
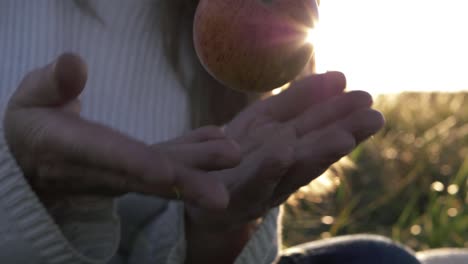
x=177 y=192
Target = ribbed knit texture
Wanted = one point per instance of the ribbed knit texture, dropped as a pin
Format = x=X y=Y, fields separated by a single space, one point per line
x=130 y=88
x=130 y=85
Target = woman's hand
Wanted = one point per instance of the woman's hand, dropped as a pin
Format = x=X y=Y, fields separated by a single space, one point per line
x=63 y=155
x=287 y=141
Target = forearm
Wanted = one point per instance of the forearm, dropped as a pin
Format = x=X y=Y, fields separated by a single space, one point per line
x=216 y=246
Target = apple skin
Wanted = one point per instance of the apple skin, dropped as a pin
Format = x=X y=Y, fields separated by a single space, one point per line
x=254 y=45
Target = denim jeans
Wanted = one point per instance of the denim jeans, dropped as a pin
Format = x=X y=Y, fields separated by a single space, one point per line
x=354 y=249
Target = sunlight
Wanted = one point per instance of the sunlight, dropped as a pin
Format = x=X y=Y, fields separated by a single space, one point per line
x=311 y=36
x=276 y=91
x=392 y=46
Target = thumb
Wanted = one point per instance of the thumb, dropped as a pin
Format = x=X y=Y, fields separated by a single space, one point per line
x=56 y=84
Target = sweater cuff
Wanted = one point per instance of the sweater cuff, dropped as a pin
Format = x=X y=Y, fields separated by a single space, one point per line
x=87 y=234
x=261 y=248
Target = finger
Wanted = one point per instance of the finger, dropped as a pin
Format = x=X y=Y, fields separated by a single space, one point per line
x=363 y=123
x=302 y=94
x=73 y=179
x=329 y=145
x=325 y=146
x=201 y=189
x=205 y=190
x=53 y=85
x=208 y=155
x=328 y=112
x=65 y=178
x=198 y=135
x=314 y=154
x=79 y=141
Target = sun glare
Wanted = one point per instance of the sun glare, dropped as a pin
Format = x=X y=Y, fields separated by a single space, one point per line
x=392 y=46
x=311 y=36
x=276 y=91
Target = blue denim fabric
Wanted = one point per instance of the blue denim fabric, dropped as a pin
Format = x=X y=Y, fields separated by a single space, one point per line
x=355 y=249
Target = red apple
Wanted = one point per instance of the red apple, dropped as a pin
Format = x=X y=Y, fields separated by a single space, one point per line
x=254 y=45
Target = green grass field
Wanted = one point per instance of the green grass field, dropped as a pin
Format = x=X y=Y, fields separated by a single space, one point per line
x=409 y=182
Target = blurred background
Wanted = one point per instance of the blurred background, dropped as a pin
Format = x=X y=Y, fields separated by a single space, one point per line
x=410 y=181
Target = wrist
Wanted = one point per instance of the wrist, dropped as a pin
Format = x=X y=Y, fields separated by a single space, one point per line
x=218 y=222
x=210 y=244
x=239 y=230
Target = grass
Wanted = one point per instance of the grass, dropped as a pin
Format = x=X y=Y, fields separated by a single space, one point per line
x=409 y=182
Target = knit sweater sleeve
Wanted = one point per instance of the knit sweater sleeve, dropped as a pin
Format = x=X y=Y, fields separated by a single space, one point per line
x=77 y=231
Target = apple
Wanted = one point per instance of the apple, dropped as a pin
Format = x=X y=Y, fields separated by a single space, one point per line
x=254 y=45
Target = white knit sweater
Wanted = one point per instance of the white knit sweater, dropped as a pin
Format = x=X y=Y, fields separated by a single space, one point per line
x=130 y=88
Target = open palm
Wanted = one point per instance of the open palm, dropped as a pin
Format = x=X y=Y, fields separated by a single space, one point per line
x=290 y=139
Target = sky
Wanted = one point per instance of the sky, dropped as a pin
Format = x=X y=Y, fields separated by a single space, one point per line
x=390 y=46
